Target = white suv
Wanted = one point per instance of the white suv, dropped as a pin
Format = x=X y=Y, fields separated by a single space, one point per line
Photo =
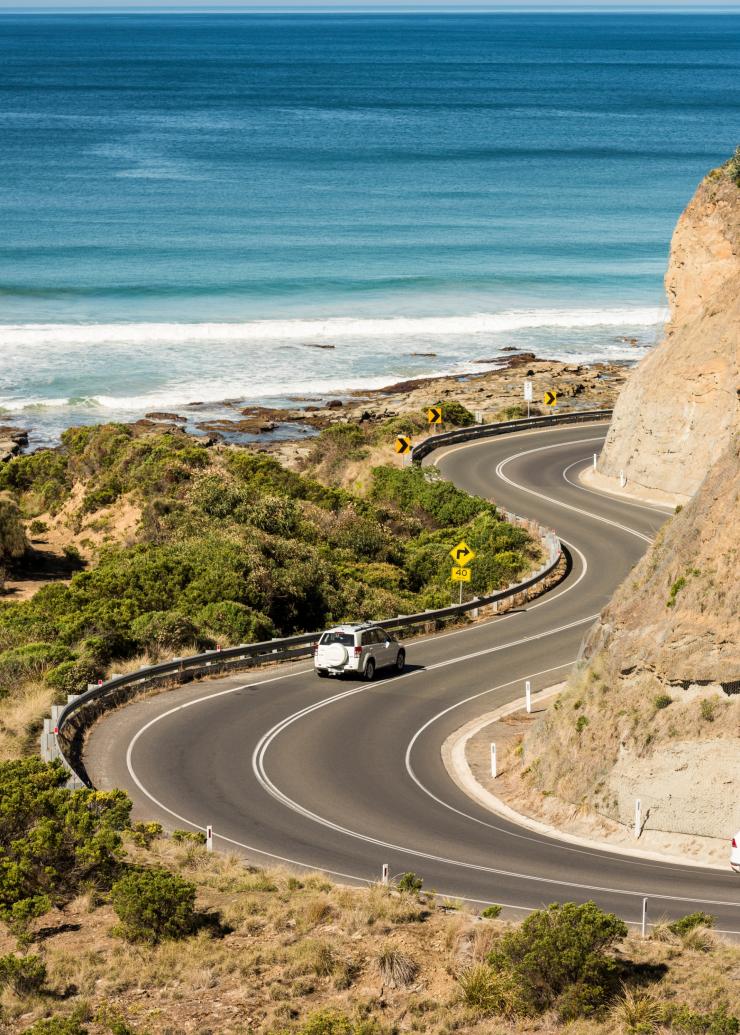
x=357 y=650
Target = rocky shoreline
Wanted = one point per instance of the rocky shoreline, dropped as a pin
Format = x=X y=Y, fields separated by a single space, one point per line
x=287 y=430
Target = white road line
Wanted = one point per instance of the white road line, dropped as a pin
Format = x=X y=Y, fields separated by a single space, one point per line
x=557 y=502
x=666 y=511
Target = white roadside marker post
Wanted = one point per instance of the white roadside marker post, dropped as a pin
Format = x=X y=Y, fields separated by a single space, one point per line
x=622 y=479
x=209 y=838
x=528 y=695
x=494 y=771
x=638 y=817
x=385 y=875
x=594 y=461
x=644 y=917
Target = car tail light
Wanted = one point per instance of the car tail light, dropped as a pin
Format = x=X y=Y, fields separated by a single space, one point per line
x=358 y=651
x=315 y=649
x=734 y=843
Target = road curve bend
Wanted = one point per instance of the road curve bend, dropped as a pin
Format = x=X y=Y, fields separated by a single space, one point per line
x=346 y=776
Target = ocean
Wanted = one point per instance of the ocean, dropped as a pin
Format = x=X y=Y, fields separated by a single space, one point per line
x=191 y=204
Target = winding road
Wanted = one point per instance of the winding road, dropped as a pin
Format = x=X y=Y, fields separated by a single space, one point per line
x=346 y=776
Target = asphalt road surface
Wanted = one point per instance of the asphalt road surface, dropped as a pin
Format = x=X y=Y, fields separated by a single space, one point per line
x=345 y=776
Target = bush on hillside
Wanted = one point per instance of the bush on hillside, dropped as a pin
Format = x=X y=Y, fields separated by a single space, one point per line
x=13 y=542
x=234 y=623
x=24 y=974
x=559 y=955
x=453 y=412
x=53 y=840
x=153 y=905
x=57 y=1026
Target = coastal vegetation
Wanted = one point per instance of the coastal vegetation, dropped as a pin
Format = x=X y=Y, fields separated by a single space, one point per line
x=133 y=932
x=227 y=546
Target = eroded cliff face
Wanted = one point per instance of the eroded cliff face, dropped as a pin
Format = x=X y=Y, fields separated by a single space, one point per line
x=653 y=712
x=680 y=408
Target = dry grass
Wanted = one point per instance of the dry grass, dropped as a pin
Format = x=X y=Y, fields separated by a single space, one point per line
x=296 y=945
x=21 y=719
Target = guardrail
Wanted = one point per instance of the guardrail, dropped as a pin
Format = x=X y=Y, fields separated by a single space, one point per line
x=505 y=427
x=64 y=733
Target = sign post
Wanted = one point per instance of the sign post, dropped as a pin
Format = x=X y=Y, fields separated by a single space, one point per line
x=528 y=395
x=462 y=555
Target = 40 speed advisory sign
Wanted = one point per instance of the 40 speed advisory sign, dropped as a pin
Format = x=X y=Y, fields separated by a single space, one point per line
x=461 y=574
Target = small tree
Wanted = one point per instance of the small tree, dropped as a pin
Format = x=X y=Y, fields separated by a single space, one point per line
x=53 y=840
x=559 y=955
x=153 y=905
x=24 y=974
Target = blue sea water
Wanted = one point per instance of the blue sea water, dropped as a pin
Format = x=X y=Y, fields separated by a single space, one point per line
x=190 y=203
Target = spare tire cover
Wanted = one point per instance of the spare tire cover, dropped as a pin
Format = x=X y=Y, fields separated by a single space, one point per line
x=336 y=654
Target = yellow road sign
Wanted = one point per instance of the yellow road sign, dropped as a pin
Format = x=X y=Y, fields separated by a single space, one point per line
x=403 y=444
x=460 y=575
x=434 y=414
x=462 y=554
x=551 y=398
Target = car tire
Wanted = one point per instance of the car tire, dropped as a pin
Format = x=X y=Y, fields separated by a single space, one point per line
x=369 y=673
x=400 y=661
x=322 y=673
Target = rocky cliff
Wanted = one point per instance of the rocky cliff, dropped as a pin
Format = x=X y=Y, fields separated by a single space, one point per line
x=680 y=407
x=653 y=712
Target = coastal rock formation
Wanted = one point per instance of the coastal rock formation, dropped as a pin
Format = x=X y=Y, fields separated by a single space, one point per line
x=681 y=408
x=653 y=712
x=658 y=699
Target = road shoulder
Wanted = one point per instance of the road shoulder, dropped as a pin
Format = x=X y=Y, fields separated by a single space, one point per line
x=467 y=758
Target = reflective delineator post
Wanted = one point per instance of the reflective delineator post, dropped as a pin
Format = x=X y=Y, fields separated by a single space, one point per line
x=209 y=838
x=494 y=771
x=594 y=461
x=638 y=817
x=644 y=917
x=528 y=695
x=384 y=879
x=622 y=479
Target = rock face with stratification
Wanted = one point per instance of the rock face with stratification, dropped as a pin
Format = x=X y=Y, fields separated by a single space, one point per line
x=654 y=710
x=680 y=408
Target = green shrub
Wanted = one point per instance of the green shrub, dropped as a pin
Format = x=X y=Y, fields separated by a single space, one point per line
x=691 y=921
x=13 y=542
x=72 y=677
x=24 y=974
x=708 y=709
x=581 y=723
x=164 y=631
x=327 y=1022
x=410 y=882
x=683 y=1019
x=676 y=588
x=31 y=660
x=73 y=556
x=235 y=623
x=662 y=701
x=559 y=957
x=38 y=527
x=57 y=1026
x=53 y=841
x=144 y=834
x=192 y=836
x=153 y=905
x=491 y=912
x=453 y=412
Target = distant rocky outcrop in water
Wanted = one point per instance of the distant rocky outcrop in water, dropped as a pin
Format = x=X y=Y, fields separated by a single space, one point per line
x=680 y=408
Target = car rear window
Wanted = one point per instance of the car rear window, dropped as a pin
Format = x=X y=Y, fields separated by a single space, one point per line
x=346 y=639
